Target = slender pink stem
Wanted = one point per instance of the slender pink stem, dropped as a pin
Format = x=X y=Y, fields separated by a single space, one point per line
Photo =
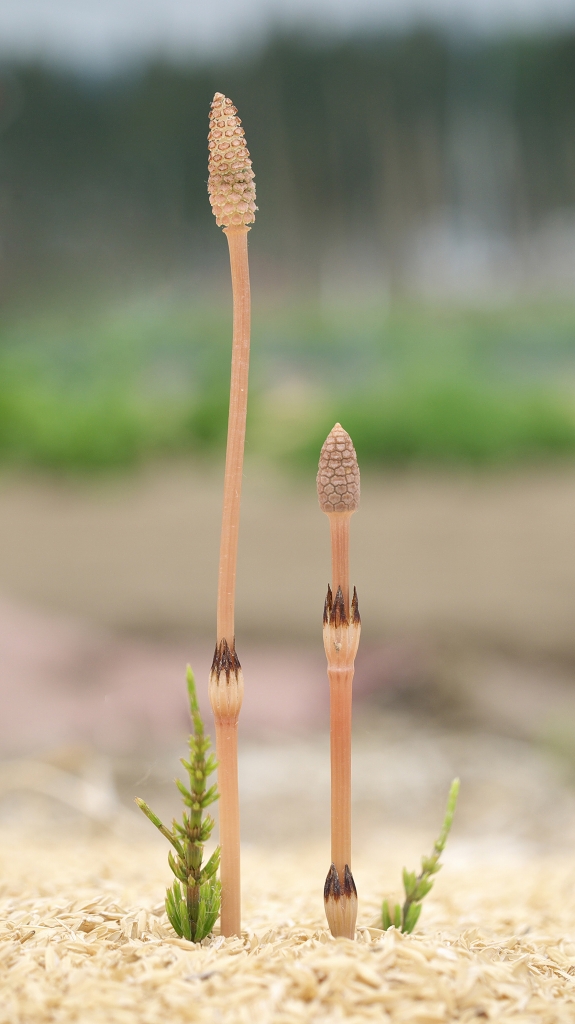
x=340 y=680
x=227 y=754
x=339 y=532
x=226 y=728
x=238 y=245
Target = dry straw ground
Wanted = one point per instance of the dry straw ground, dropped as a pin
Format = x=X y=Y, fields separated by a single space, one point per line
x=83 y=938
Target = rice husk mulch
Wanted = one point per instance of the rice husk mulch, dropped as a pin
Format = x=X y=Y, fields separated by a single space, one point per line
x=84 y=938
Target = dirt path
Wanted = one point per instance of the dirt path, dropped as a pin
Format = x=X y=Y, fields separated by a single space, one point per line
x=487 y=560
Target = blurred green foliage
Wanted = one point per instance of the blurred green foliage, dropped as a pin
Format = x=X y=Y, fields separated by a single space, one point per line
x=61 y=431
x=411 y=384
x=457 y=422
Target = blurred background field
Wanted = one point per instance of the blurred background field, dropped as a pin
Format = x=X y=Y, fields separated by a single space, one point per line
x=413 y=265
x=413 y=272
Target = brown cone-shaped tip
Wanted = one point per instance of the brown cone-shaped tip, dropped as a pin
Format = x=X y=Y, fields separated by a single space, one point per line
x=231 y=182
x=338 y=473
x=340 y=901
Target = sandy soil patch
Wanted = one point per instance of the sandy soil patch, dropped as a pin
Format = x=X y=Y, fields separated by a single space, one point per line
x=83 y=938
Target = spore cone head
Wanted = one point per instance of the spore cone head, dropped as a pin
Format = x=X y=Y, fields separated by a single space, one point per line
x=338 y=473
x=231 y=184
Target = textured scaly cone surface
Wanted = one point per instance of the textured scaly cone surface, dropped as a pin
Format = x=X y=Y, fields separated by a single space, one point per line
x=231 y=179
x=338 y=473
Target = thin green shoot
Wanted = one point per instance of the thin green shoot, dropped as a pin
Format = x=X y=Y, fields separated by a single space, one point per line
x=416 y=887
x=193 y=901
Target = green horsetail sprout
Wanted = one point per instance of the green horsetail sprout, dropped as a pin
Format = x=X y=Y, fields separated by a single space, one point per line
x=417 y=887
x=193 y=901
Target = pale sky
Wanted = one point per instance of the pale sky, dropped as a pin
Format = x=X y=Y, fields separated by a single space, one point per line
x=104 y=33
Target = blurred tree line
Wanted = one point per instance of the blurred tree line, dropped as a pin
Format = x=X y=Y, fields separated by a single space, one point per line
x=354 y=143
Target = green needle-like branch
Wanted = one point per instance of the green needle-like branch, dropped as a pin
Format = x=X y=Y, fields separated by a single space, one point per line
x=417 y=886
x=193 y=901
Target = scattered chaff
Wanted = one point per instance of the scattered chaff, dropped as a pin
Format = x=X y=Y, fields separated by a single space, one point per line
x=83 y=938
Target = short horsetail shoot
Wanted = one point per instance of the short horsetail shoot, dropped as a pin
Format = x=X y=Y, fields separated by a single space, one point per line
x=232 y=196
x=338 y=493
x=416 y=887
x=193 y=901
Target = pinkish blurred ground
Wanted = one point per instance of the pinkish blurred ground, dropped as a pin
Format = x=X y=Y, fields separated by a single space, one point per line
x=466 y=585
x=66 y=681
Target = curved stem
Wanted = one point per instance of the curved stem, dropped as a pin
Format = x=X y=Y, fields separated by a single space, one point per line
x=226 y=731
x=238 y=245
